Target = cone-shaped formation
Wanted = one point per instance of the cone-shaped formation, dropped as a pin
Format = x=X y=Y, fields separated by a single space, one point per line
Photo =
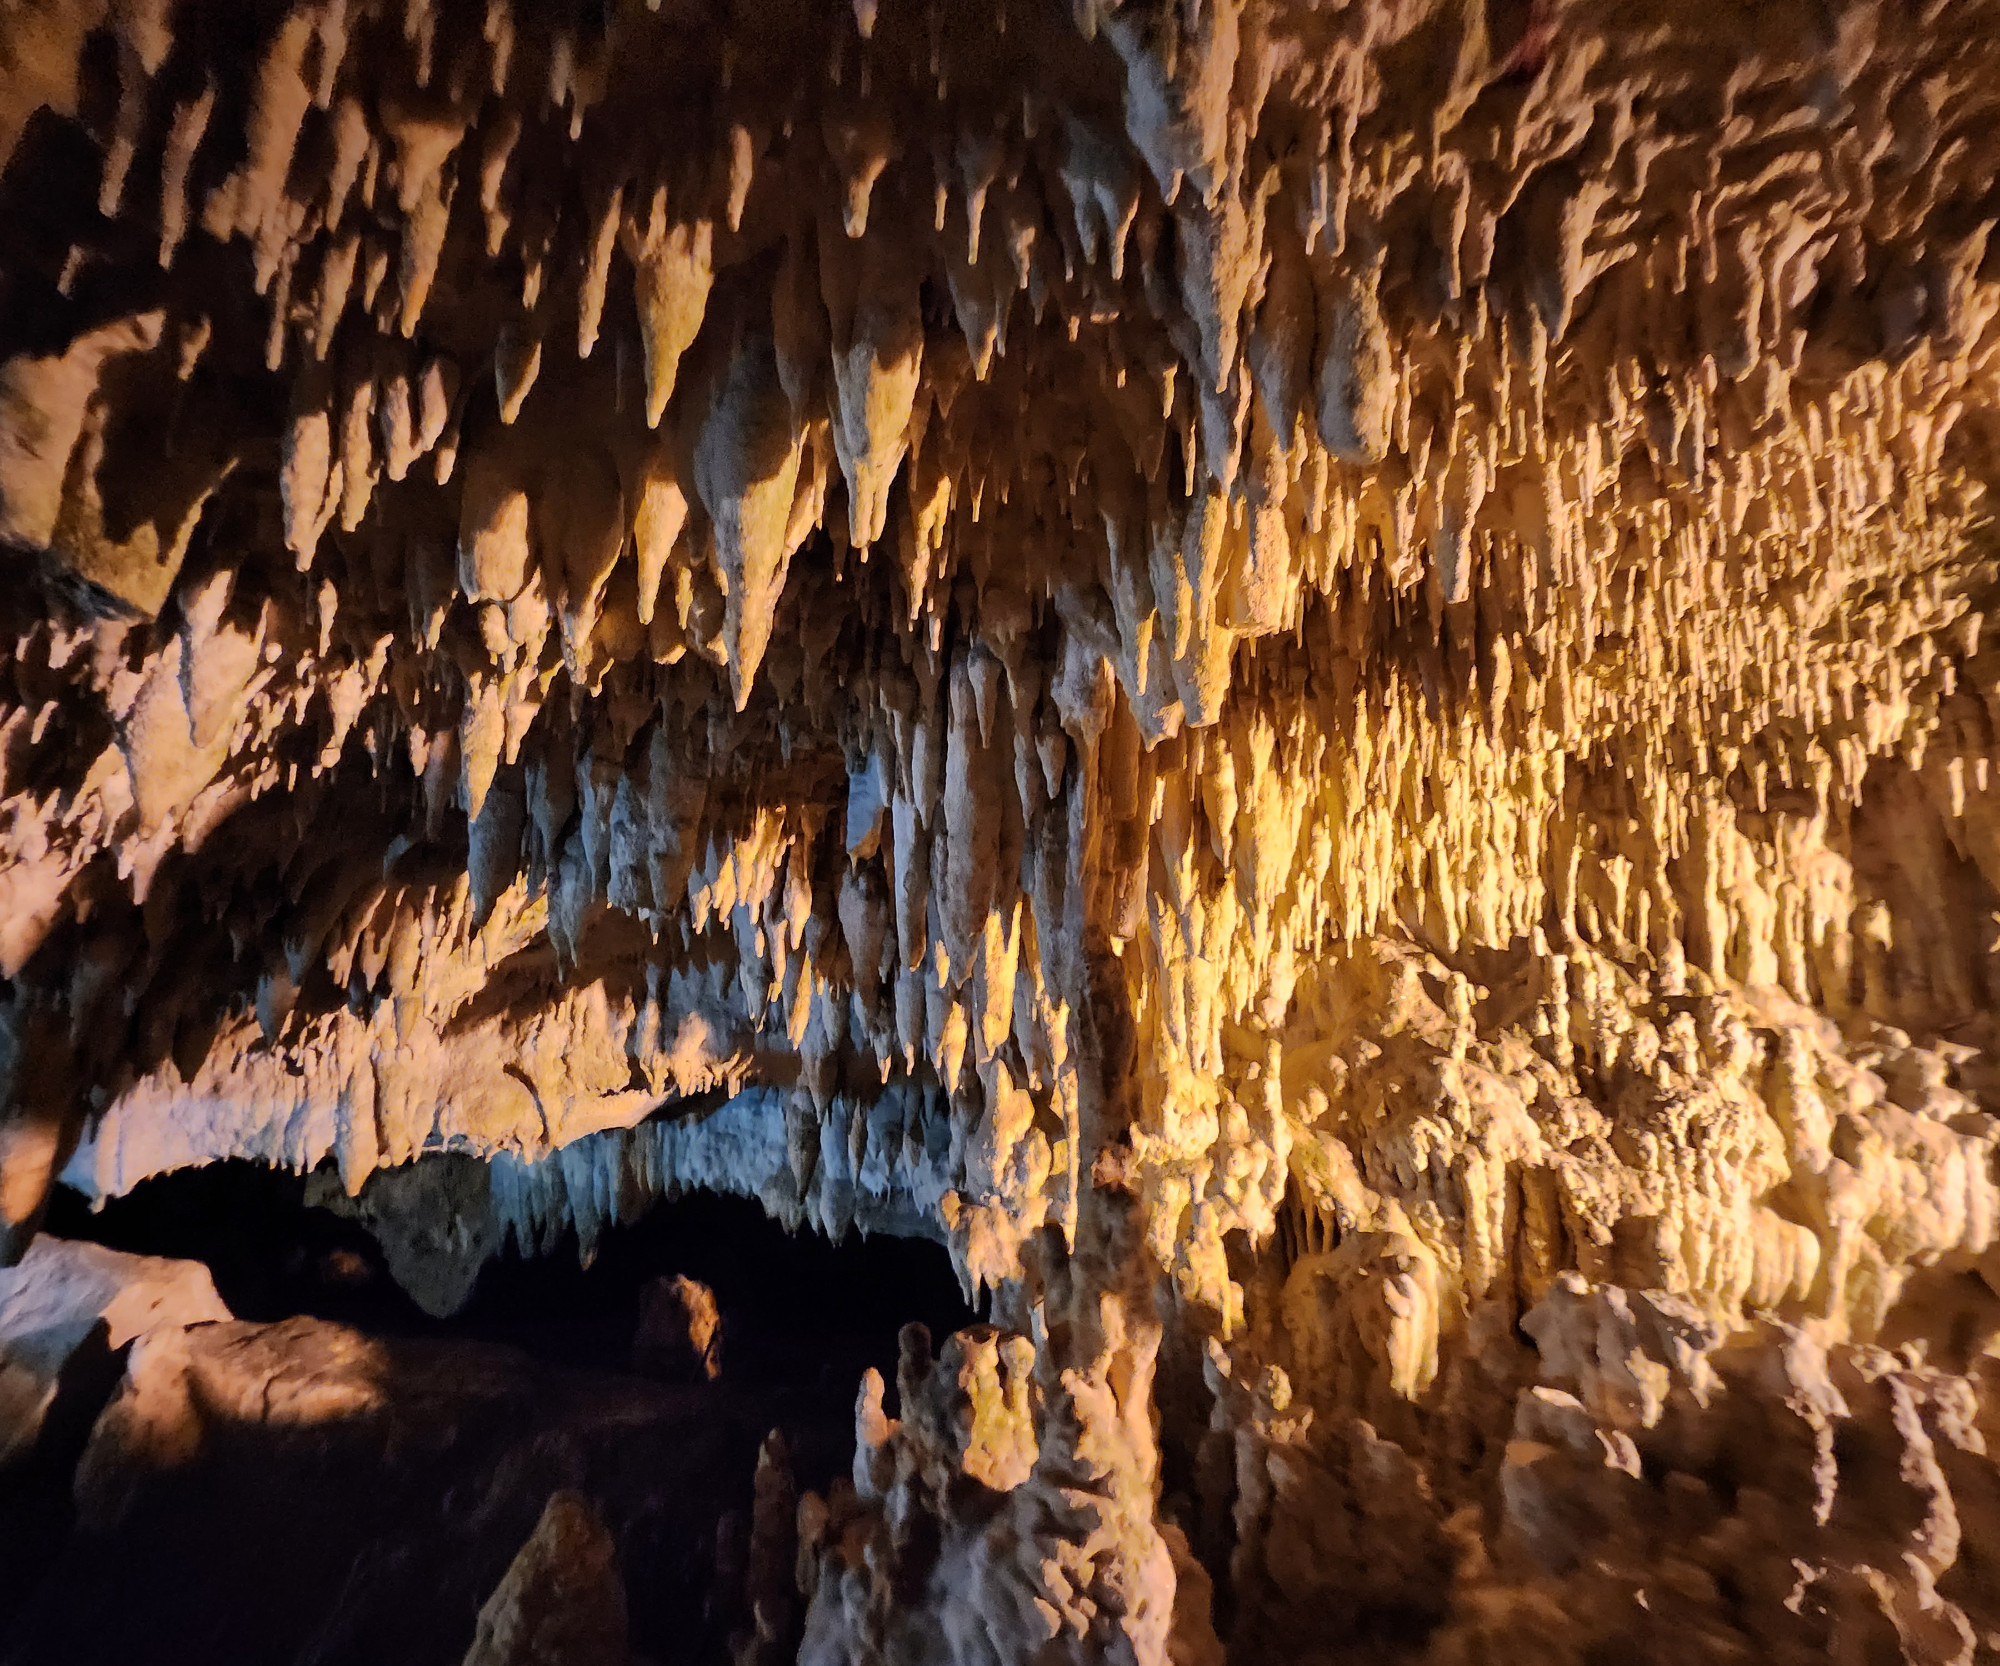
x=1311 y=676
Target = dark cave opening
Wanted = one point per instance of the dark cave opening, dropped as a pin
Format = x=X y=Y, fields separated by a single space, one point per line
x=376 y=1534
x=797 y=1308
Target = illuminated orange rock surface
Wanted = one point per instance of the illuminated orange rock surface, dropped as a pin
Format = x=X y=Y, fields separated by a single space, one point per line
x=1310 y=677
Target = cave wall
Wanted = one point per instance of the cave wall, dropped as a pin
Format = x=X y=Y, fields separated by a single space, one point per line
x=1310 y=677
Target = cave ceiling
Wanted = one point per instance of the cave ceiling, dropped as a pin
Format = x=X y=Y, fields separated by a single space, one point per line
x=1308 y=677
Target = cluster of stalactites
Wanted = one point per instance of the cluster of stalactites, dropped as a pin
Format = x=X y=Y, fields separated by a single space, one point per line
x=1186 y=480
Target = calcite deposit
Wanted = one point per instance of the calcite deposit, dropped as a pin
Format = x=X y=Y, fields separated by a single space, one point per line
x=1308 y=675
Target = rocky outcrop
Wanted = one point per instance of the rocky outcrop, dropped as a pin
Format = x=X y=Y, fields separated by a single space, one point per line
x=66 y=1304
x=680 y=1331
x=561 y=1602
x=299 y=1491
x=70 y=1315
x=1309 y=677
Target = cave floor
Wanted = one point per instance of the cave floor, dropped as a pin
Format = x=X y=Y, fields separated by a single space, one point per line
x=340 y=1477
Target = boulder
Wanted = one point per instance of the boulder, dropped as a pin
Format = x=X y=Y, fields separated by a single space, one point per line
x=67 y=1306
x=679 y=1338
x=561 y=1602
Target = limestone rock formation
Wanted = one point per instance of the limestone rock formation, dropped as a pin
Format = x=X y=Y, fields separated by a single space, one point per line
x=71 y=1315
x=299 y=1491
x=63 y=1301
x=680 y=1331
x=1309 y=675
x=561 y=1602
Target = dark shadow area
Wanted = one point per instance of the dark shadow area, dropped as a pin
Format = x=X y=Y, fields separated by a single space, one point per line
x=285 y=1491
x=36 y=1510
x=803 y=1317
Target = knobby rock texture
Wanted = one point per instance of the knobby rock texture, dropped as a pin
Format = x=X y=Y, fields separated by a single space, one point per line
x=1309 y=677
